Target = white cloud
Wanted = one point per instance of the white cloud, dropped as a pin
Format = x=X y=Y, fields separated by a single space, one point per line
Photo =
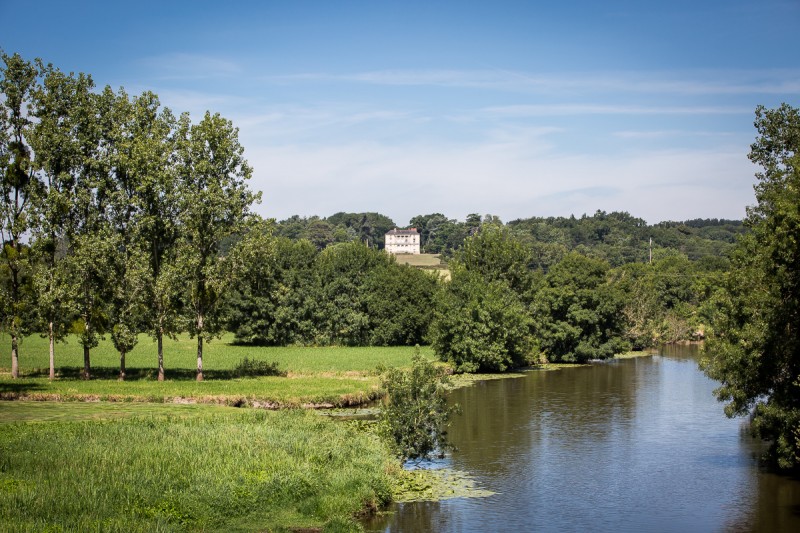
x=497 y=178
x=540 y=110
x=696 y=82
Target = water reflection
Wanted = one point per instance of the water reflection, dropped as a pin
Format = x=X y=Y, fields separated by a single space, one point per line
x=632 y=445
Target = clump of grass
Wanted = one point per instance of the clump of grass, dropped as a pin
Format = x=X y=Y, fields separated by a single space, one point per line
x=233 y=471
x=255 y=367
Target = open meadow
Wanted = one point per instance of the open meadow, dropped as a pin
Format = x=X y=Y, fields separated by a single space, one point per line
x=143 y=455
x=316 y=376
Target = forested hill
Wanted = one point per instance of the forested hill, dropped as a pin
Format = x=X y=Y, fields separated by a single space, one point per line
x=617 y=237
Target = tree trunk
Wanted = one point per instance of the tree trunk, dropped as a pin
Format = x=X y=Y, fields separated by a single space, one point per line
x=52 y=338
x=14 y=355
x=200 y=323
x=86 y=366
x=160 y=341
x=122 y=366
x=199 y=358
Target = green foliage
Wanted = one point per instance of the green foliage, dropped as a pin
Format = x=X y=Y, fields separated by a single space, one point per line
x=481 y=322
x=399 y=302
x=481 y=326
x=756 y=342
x=214 y=204
x=415 y=415
x=248 y=368
x=18 y=184
x=577 y=312
x=341 y=271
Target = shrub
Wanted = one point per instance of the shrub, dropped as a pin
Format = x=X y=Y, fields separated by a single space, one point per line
x=254 y=368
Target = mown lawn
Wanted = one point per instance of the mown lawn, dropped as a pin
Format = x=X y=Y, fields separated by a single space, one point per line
x=111 y=467
x=334 y=376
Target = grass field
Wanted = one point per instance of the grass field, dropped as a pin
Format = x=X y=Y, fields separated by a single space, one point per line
x=105 y=467
x=419 y=260
x=328 y=376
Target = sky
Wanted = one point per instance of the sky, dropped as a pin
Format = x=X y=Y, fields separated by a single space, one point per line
x=515 y=109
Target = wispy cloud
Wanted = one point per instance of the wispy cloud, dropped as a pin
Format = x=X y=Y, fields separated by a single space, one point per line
x=538 y=110
x=499 y=178
x=178 y=66
x=700 y=82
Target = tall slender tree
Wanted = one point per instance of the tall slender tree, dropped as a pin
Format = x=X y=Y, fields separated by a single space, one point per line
x=91 y=238
x=150 y=163
x=215 y=202
x=18 y=183
x=58 y=159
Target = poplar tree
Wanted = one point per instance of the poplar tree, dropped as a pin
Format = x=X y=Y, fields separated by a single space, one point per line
x=147 y=168
x=214 y=205
x=58 y=159
x=18 y=183
x=92 y=241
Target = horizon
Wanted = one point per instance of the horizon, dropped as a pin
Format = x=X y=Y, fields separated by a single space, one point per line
x=516 y=109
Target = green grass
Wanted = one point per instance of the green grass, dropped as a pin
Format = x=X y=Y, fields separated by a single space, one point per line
x=327 y=376
x=419 y=260
x=12 y=412
x=218 y=355
x=184 y=468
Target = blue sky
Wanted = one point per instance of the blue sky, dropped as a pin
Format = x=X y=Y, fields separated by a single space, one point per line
x=516 y=109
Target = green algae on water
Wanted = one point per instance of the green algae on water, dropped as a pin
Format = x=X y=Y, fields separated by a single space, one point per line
x=436 y=485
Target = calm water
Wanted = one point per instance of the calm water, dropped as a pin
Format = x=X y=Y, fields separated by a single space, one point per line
x=632 y=445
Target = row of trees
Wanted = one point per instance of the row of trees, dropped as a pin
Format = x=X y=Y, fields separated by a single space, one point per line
x=113 y=213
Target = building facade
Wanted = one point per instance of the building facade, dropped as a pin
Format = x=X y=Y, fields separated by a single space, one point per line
x=402 y=241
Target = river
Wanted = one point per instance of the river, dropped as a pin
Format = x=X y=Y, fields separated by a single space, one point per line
x=628 y=445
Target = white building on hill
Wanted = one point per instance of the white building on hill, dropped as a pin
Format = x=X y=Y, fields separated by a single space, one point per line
x=402 y=241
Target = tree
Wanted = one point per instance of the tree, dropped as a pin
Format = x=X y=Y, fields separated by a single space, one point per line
x=481 y=322
x=341 y=271
x=577 y=312
x=153 y=191
x=214 y=205
x=481 y=326
x=399 y=302
x=415 y=415
x=754 y=350
x=92 y=241
x=497 y=255
x=58 y=158
x=18 y=184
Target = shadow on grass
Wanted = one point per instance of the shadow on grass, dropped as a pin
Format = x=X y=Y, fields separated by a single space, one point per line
x=18 y=387
x=137 y=374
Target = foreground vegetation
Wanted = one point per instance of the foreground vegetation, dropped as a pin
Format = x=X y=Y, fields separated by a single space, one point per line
x=215 y=469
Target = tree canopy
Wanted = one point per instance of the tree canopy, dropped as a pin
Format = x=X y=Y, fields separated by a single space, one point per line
x=755 y=351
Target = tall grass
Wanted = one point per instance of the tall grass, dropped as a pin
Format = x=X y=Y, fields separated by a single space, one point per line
x=217 y=470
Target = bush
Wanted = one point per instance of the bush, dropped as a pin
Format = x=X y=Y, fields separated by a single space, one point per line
x=247 y=368
x=416 y=415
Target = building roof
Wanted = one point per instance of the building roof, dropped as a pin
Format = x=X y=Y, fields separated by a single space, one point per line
x=395 y=231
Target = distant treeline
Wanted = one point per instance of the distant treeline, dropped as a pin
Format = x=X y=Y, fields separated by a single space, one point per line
x=617 y=237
